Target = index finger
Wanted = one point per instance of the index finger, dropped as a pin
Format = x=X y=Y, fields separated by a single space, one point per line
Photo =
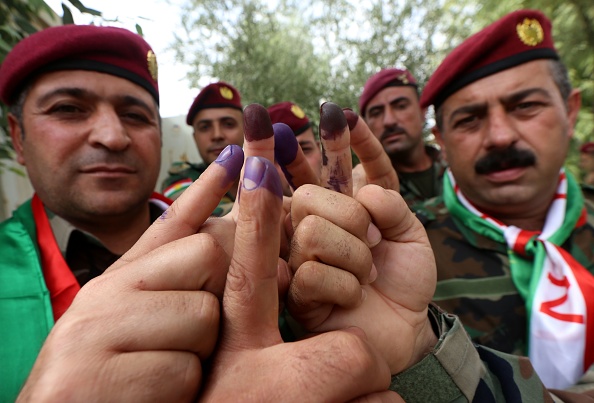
x=250 y=301
x=290 y=157
x=337 y=165
x=185 y=216
x=376 y=163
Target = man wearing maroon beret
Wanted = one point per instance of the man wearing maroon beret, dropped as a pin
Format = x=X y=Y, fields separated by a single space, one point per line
x=84 y=121
x=390 y=106
x=513 y=235
x=217 y=119
x=587 y=163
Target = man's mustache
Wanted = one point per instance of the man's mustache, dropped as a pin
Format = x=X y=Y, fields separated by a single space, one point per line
x=504 y=159
x=391 y=131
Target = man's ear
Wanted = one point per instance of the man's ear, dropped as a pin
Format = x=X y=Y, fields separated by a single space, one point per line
x=439 y=141
x=17 y=136
x=574 y=102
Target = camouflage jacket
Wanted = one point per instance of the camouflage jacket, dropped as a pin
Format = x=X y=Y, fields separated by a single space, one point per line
x=459 y=371
x=409 y=188
x=181 y=176
x=474 y=279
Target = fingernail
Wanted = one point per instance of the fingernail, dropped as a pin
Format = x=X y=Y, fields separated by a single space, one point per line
x=374 y=235
x=256 y=123
x=231 y=158
x=332 y=121
x=285 y=144
x=373 y=273
x=351 y=117
x=259 y=172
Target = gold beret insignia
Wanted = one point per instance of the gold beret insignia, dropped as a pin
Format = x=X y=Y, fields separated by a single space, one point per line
x=151 y=61
x=530 y=32
x=402 y=78
x=226 y=93
x=297 y=111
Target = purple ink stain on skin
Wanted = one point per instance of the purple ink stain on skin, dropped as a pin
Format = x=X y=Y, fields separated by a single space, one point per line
x=338 y=180
x=164 y=215
x=332 y=121
x=285 y=149
x=259 y=172
x=231 y=158
x=351 y=117
x=285 y=144
x=256 y=123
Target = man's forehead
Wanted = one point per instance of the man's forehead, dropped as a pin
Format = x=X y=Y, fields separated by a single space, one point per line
x=91 y=82
x=391 y=94
x=218 y=114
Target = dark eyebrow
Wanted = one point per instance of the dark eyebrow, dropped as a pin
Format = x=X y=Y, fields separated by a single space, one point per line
x=520 y=95
x=70 y=91
x=399 y=99
x=305 y=142
x=134 y=101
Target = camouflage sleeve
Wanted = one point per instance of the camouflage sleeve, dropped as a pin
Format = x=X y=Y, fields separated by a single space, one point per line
x=458 y=370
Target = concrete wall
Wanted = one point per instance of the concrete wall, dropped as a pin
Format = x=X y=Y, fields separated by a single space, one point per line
x=178 y=144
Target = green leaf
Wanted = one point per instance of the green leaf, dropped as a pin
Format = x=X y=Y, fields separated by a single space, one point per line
x=139 y=30
x=83 y=9
x=67 y=17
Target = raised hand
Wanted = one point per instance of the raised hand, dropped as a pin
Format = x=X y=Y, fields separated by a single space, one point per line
x=336 y=244
x=251 y=362
x=142 y=330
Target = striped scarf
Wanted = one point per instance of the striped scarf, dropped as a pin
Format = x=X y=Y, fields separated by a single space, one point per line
x=557 y=290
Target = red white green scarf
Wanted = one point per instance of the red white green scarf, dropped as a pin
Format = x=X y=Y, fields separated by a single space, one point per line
x=558 y=291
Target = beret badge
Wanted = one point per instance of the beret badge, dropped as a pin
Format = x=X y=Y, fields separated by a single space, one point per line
x=153 y=68
x=297 y=111
x=226 y=93
x=530 y=32
x=403 y=79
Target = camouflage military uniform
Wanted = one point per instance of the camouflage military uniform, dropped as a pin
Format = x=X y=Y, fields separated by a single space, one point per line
x=474 y=279
x=181 y=176
x=410 y=187
x=457 y=370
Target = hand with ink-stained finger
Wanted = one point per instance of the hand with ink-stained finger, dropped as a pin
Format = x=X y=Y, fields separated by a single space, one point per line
x=338 y=134
x=142 y=330
x=363 y=261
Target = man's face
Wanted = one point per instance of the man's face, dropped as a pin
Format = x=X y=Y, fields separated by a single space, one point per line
x=311 y=149
x=396 y=119
x=215 y=129
x=91 y=143
x=506 y=137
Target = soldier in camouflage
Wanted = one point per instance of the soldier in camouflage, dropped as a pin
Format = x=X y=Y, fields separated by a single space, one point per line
x=513 y=233
x=390 y=106
x=217 y=119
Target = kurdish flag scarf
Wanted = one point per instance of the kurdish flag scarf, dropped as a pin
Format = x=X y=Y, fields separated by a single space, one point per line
x=557 y=290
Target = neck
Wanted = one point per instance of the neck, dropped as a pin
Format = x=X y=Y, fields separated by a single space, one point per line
x=415 y=160
x=119 y=233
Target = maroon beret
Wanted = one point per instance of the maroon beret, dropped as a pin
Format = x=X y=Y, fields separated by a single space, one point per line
x=291 y=115
x=215 y=95
x=110 y=50
x=385 y=78
x=517 y=38
x=587 y=148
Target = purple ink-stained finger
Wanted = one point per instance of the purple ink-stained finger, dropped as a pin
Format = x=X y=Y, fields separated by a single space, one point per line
x=259 y=172
x=351 y=117
x=285 y=144
x=231 y=158
x=256 y=123
x=332 y=121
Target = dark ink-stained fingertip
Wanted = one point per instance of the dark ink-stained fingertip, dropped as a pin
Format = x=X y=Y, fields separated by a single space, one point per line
x=285 y=144
x=351 y=117
x=256 y=123
x=332 y=121
x=231 y=158
x=259 y=172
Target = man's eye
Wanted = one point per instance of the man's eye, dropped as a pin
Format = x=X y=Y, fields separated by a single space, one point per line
x=65 y=108
x=136 y=117
x=465 y=122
